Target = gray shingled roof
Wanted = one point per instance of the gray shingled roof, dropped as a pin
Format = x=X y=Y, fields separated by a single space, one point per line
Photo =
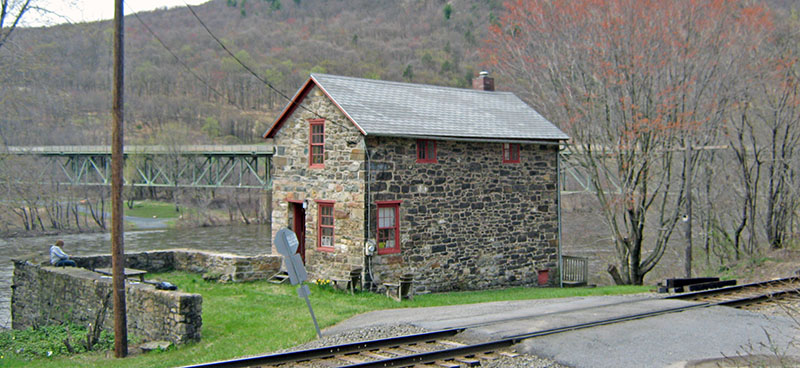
x=405 y=109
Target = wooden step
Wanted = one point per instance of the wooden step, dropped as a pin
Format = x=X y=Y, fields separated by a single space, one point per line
x=279 y=278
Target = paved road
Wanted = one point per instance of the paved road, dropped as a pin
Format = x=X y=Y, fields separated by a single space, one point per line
x=668 y=340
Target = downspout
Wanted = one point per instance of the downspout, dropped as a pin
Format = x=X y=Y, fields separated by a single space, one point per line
x=367 y=205
x=558 y=208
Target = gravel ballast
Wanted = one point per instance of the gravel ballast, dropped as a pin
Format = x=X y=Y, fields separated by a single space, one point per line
x=387 y=331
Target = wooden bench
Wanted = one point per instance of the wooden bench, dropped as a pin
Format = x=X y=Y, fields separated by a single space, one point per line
x=351 y=284
x=342 y=284
x=129 y=272
x=402 y=290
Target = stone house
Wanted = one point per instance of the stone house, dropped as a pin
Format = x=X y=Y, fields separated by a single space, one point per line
x=457 y=186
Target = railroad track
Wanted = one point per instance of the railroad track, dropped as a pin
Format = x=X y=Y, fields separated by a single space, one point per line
x=432 y=347
x=436 y=349
x=746 y=296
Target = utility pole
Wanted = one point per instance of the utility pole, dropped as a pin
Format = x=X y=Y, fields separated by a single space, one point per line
x=688 y=180
x=117 y=248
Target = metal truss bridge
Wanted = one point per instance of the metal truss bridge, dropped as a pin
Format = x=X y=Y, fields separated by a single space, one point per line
x=195 y=166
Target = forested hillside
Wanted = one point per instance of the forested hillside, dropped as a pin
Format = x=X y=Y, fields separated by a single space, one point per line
x=55 y=82
x=684 y=116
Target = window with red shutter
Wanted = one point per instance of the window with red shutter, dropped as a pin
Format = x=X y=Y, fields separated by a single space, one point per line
x=510 y=153
x=388 y=227
x=316 y=143
x=426 y=151
x=325 y=226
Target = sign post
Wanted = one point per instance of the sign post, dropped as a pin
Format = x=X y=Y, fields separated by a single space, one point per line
x=286 y=243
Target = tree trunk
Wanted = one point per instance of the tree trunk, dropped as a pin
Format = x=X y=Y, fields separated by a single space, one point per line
x=612 y=270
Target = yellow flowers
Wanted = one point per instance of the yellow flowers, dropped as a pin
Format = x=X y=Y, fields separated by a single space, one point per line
x=323 y=282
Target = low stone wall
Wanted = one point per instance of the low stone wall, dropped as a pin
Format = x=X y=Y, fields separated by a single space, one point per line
x=222 y=266
x=46 y=295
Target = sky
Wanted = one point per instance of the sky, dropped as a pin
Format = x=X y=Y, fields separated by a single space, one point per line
x=76 y=11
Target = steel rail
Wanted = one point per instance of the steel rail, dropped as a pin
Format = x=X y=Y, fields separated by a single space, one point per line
x=756 y=298
x=421 y=358
x=511 y=340
x=328 y=351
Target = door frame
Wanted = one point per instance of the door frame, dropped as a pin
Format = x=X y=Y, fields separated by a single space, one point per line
x=298 y=213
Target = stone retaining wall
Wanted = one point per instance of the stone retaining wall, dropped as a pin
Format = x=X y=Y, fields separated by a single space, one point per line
x=224 y=267
x=44 y=295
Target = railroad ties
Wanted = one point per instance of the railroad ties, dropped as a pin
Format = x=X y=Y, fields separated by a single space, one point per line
x=433 y=353
x=693 y=284
x=432 y=349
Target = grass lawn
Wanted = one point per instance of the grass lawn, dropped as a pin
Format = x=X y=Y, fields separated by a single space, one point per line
x=259 y=317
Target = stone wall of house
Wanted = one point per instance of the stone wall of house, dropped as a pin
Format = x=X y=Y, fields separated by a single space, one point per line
x=221 y=266
x=44 y=295
x=468 y=221
x=341 y=180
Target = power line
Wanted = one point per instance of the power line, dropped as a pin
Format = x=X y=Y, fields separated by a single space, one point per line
x=177 y=58
x=263 y=80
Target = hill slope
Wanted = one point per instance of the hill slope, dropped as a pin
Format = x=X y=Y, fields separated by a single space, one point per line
x=56 y=81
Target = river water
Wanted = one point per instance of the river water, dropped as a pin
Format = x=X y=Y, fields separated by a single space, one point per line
x=241 y=240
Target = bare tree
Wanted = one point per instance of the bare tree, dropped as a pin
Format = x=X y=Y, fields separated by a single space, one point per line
x=779 y=113
x=635 y=83
x=11 y=13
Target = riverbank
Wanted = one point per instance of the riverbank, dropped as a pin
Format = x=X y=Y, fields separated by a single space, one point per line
x=145 y=215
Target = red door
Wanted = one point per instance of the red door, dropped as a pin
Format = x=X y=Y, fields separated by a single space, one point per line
x=299 y=228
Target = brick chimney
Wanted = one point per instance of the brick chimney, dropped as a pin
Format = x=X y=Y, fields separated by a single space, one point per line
x=483 y=82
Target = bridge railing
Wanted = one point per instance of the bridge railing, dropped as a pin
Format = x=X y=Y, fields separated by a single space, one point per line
x=260 y=149
x=194 y=166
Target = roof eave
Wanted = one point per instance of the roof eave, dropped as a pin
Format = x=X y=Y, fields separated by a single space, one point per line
x=295 y=102
x=338 y=106
x=546 y=141
x=287 y=111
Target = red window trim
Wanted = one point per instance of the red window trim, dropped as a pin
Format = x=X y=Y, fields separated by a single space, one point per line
x=427 y=160
x=512 y=148
x=320 y=226
x=396 y=206
x=311 y=124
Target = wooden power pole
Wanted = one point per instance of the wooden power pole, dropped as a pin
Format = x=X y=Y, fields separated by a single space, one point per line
x=688 y=216
x=117 y=248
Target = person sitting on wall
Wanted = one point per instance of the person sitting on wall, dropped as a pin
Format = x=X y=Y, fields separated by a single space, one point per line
x=57 y=256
